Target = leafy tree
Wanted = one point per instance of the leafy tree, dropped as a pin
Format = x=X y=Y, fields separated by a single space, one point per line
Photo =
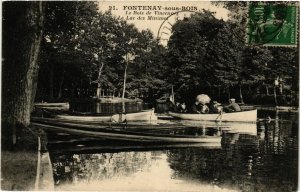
x=262 y=65
x=204 y=55
x=98 y=42
x=188 y=47
x=60 y=57
x=285 y=66
x=147 y=72
x=94 y=46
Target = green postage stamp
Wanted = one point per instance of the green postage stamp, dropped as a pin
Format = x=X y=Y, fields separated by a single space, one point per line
x=272 y=24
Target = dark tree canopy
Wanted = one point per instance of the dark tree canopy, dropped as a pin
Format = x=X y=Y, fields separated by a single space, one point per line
x=207 y=55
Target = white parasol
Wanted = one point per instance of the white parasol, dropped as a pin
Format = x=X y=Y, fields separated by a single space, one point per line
x=203 y=99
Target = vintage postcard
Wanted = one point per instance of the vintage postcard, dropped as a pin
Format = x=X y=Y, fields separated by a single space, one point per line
x=150 y=96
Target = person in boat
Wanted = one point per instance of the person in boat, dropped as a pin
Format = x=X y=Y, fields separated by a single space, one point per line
x=182 y=107
x=195 y=107
x=200 y=108
x=233 y=106
x=203 y=108
x=216 y=107
x=170 y=105
x=177 y=107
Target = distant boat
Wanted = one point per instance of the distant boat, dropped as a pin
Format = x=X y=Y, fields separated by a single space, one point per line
x=55 y=106
x=242 y=116
x=162 y=99
x=118 y=100
x=147 y=115
x=166 y=98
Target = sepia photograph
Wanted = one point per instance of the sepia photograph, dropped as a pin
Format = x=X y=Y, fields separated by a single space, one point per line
x=150 y=96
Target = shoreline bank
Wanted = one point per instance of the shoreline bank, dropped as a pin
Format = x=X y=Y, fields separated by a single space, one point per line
x=20 y=166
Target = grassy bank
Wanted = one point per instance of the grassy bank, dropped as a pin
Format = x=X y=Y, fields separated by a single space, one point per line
x=18 y=170
x=19 y=163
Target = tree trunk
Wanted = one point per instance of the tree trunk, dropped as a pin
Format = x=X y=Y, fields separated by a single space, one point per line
x=228 y=89
x=98 y=80
x=267 y=89
x=124 y=86
x=241 y=95
x=124 y=81
x=22 y=34
x=280 y=88
x=51 y=82
x=59 y=95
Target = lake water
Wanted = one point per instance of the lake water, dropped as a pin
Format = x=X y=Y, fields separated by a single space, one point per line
x=250 y=157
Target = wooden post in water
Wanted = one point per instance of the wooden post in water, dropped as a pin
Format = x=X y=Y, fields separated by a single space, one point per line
x=204 y=131
x=275 y=96
x=38 y=167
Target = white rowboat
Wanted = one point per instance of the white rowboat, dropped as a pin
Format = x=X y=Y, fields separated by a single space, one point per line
x=147 y=115
x=242 y=116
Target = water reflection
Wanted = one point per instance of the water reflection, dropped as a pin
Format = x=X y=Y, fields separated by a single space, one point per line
x=263 y=159
x=89 y=167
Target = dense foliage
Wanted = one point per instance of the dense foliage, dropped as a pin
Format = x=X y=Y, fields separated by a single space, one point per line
x=207 y=55
x=90 y=53
x=87 y=54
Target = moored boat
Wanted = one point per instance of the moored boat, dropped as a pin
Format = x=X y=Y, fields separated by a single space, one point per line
x=52 y=106
x=127 y=134
x=242 y=116
x=85 y=118
x=147 y=115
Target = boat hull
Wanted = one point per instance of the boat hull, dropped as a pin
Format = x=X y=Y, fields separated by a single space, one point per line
x=148 y=116
x=243 y=116
x=129 y=135
x=84 y=118
x=140 y=116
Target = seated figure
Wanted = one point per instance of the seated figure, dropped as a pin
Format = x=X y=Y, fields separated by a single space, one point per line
x=216 y=107
x=233 y=106
x=182 y=108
